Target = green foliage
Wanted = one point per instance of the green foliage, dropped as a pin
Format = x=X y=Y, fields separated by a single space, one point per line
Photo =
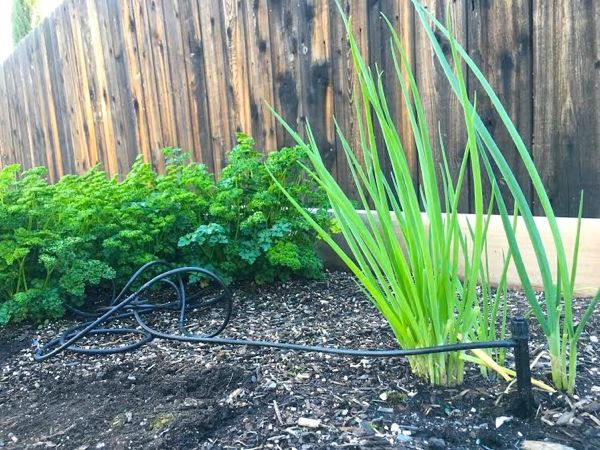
x=251 y=231
x=24 y=17
x=414 y=281
x=555 y=312
x=58 y=240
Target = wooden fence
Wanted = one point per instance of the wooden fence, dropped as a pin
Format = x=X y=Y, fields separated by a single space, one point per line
x=104 y=80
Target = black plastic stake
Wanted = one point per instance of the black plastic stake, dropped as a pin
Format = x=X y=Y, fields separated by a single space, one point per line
x=525 y=403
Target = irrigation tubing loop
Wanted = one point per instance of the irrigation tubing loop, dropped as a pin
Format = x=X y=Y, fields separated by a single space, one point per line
x=140 y=303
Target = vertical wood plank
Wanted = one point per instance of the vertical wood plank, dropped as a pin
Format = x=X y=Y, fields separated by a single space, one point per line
x=150 y=107
x=47 y=120
x=194 y=67
x=27 y=95
x=401 y=16
x=161 y=73
x=41 y=151
x=566 y=83
x=177 y=76
x=99 y=88
x=315 y=76
x=442 y=108
x=17 y=115
x=81 y=82
x=7 y=156
x=73 y=92
x=260 y=73
x=286 y=70
x=131 y=49
x=119 y=93
x=502 y=50
x=345 y=84
x=234 y=15
x=216 y=70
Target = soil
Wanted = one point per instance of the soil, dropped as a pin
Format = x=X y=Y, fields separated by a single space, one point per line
x=169 y=395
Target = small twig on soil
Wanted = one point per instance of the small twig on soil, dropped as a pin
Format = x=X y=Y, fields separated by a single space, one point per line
x=277 y=412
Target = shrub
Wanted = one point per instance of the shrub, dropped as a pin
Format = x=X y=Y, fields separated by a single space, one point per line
x=56 y=241
x=251 y=232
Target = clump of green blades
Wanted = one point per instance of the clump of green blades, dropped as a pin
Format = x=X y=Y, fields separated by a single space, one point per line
x=414 y=280
x=555 y=312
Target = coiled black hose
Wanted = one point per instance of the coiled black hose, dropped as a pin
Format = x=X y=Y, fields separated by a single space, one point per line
x=126 y=306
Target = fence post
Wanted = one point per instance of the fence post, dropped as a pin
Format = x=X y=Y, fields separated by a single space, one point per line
x=525 y=403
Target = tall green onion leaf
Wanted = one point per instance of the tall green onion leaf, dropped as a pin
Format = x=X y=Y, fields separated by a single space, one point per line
x=562 y=335
x=407 y=247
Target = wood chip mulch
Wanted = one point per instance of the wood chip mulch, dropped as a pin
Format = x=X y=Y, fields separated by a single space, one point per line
x=170 y=395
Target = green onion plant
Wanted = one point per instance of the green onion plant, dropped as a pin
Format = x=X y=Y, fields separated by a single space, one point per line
x=554 y=311
x=413 y=279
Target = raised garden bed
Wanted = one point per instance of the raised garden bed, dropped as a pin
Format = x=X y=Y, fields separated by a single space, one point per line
x=174 y=395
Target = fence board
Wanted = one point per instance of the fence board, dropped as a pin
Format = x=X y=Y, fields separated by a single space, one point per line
x=444 y=115
x=97 y=68
x=104 y=80
x=286 y=69
x=129 y=31
x=399 y=13
x=73 y=95
x=41 y=147
x=196 y=84
x=503 y=51
x=235 y=35
x=567 y=94
x=177 y=77
x=344 y=83
x=219 y=111
x=6 y=156
x=258 y=47
x=15 y=106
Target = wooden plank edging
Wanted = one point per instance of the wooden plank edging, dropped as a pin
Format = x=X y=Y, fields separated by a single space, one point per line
x=588 y=271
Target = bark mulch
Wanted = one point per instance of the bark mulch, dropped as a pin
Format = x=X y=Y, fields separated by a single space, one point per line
x=170 y=395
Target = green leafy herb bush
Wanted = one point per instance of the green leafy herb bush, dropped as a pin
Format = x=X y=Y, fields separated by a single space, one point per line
x=251 y=232
x=57 y=241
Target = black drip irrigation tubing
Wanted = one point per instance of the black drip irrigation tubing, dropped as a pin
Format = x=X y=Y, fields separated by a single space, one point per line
x=132 y=305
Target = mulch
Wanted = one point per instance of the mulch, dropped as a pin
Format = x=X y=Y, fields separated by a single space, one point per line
x=182 y=396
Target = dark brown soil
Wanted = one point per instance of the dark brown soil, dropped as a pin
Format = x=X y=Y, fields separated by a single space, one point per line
x=182 y=396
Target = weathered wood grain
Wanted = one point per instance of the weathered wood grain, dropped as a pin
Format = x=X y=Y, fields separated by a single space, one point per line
x=503 y=51
x=566 y=71
x=316 y=76
x=97 y=68
x=345 y=84
x=258 y=48
x=444 y=115
x=7 y=156
x=235 y=18
x=401 y=17
x=216 y=72
x=177 y=92
x=283 y=24
x=131 y=48
x=105 y=80
x=73 y=95
x=194 y=67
